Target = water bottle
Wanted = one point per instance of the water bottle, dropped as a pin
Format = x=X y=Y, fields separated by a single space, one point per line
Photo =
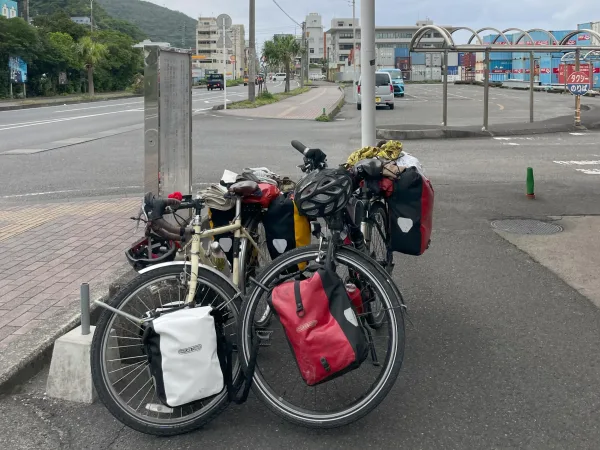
x=219 y=259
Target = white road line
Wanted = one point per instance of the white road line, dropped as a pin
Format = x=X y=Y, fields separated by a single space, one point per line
x=502 y=138
x=578 y=163
x=577 y=134
x=510 y=143
x=589 y=171
x=101 y=106
x=66 y=119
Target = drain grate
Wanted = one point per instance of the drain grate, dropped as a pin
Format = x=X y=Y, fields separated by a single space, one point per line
x=526 y=226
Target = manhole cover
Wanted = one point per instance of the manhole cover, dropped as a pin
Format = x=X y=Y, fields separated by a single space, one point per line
x=526 y=226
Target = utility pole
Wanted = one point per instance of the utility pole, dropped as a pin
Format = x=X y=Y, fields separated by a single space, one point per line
x=252 y=51
x=92 y=16
x=367 y=71
x=307 y=60
x=183 y=35
x=303 y=54
x=354 y=51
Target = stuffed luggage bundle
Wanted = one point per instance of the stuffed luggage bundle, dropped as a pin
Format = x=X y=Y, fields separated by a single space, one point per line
x=321 y=326
x=411 y=213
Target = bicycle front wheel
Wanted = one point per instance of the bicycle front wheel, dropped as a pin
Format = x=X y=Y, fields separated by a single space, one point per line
x=119 y=362
x=342 y=400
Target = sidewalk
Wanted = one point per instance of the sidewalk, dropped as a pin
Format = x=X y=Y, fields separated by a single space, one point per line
x=306 y=106
x=48 y=250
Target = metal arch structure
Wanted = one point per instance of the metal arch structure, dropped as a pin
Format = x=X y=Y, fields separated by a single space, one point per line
x=568 y=56
x=576 y=32
x=591 y=53
x=548 y=33
x=523 y=33
x=416 y=39
x=495 y=30
x=473 y=34
x=507 y=46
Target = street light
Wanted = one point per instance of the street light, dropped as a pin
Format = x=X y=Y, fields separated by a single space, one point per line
x=92 y=16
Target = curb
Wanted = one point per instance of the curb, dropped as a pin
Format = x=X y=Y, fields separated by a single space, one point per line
x=34 y=353
x=336 y=110
x=440 y=133
x=66 y=102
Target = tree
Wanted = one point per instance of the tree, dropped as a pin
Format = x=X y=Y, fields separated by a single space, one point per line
x=282 y=50
x=91 y=53
x=122 y=64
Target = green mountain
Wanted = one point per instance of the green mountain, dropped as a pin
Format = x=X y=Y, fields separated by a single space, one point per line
x=73 y=8
x=158 y=23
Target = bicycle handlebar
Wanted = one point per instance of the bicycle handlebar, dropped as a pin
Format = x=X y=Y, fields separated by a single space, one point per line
x=300 y=147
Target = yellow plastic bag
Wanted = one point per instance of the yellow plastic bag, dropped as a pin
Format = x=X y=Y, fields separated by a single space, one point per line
x=391 y=151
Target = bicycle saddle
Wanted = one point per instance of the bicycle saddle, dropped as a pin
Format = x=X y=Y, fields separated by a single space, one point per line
x=244 y=188
x=369 y=168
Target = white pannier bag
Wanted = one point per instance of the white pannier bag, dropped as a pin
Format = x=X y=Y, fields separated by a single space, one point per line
x=182 y=354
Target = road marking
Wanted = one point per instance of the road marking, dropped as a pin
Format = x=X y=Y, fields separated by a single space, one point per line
x=66 y=119
x=500 y=106
x=577 y=134
x=68 y=191
x=502 y=138
x=101 y=106
x=578 y=163
x=510 y=143
x=589 y=171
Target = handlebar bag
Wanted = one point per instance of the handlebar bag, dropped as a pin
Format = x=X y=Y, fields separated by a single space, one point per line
x=183 y=356
x=411 y=213
x=321 y=326
x=285 y=228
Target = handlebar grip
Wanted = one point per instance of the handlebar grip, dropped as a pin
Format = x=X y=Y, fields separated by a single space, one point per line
x=299 y=146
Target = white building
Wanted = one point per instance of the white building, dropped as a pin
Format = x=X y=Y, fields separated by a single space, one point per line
x=339 y=39
x=209 y=55
x=81 y=20
x=315 y=38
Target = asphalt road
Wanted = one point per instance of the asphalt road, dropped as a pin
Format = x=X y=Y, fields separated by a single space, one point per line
x=422 y=105
x=501 y=353
x=30 y=128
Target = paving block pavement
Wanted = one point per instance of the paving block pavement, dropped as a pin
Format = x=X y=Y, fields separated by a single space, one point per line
x=307 y=106
x=47 y=251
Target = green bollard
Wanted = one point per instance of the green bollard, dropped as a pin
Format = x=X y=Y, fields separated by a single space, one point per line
x=530 y=183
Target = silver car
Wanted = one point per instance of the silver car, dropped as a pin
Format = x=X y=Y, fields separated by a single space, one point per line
x=384 y=90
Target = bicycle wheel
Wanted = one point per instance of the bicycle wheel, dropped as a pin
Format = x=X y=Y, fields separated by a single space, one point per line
x=252 y=262
x=379 y=250
x=118 y=359
x=282 y=388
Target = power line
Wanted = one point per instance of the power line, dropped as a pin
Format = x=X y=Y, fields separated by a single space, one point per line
x=282 y=10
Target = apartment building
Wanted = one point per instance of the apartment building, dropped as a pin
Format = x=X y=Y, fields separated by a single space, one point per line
x=315 y=38
x=210 y=56
x=339 y=39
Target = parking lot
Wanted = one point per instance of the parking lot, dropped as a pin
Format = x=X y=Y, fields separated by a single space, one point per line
x=422 y=105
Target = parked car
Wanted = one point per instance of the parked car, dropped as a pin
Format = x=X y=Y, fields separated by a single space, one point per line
x=397 y=81
x=215 y=81
x=317 y=76
x=279 y=77
x=384 y=90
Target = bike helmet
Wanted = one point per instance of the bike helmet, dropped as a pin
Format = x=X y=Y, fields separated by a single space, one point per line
x=323 y=193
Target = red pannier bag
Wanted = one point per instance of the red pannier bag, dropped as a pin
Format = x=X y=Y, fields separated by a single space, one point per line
x=411 y=213
x=321 y=326
x=269 y=192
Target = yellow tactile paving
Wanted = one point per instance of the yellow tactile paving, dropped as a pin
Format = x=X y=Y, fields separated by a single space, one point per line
x=17 y=221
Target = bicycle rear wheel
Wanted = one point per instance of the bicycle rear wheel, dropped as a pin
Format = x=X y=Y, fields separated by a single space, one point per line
x=282 y=388
x=119 y=362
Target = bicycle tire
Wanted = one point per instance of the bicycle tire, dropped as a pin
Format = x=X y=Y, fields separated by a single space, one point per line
x=374 y=320
x=98 y=363
x=393 y=368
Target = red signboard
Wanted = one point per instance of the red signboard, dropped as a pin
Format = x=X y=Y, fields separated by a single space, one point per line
x=555 y=70
x=570 y=68
x=571 y=42
x=583 y=37
x=541 y=42
x=596 y=69
x=578 y=78
x=545 y=70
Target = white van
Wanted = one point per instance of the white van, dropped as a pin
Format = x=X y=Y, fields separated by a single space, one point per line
x=279 y=77
x=384 y=90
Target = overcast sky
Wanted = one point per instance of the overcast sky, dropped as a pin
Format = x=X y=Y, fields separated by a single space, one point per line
x=548 y=14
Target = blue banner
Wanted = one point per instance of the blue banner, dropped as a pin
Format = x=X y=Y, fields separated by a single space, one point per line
x=18 y=69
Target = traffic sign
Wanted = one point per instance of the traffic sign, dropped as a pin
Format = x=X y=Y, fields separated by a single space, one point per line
x=578 y=83
x=224 y=21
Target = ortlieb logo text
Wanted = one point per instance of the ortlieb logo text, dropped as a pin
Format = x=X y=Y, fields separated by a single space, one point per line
x=306 y=326
x=195 y=348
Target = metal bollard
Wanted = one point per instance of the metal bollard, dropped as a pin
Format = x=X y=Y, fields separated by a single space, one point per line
x=85 y=309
